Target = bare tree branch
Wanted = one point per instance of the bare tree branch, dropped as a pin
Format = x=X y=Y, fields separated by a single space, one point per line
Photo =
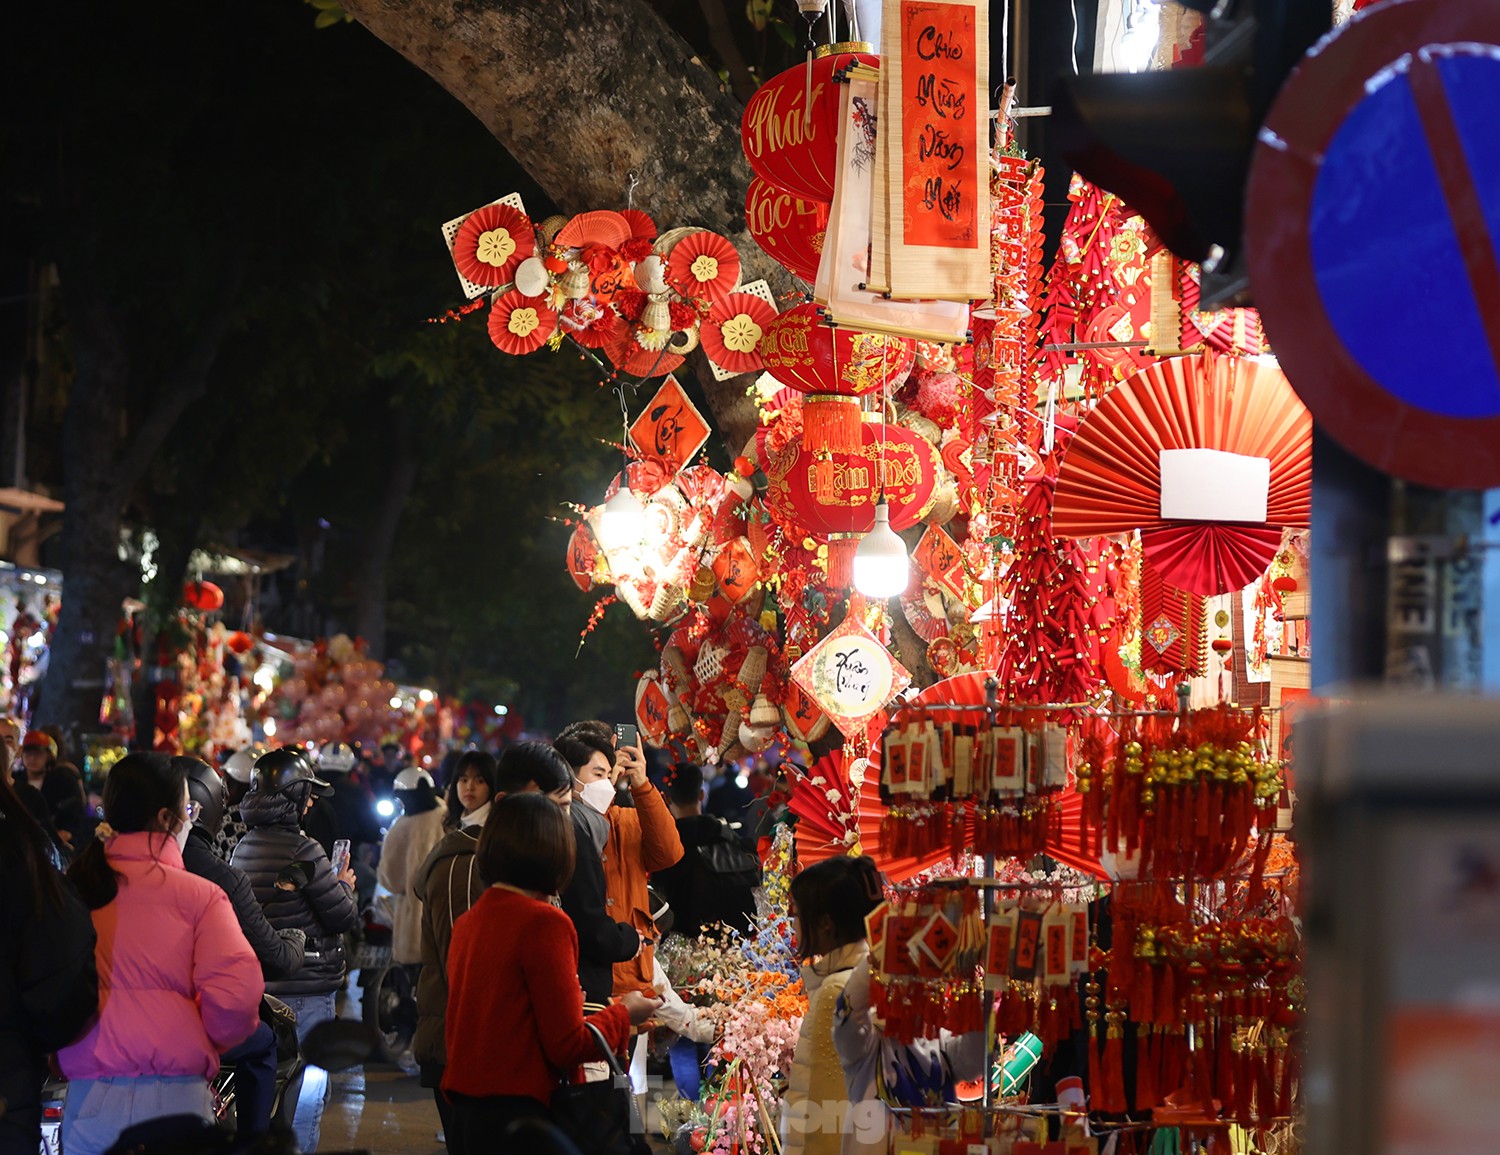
x=721 y=36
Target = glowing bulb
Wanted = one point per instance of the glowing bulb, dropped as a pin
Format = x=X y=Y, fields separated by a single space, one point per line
x=426 y=695
x=269 y=726
x=623 y=522
x=501 y=711
x=385 y=808
x=265 y=678
x=395 y=702
x=880 y=566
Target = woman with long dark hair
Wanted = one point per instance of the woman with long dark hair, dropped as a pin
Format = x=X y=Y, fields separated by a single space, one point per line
x=471 y=789
x=49 y=988
x=178 y=983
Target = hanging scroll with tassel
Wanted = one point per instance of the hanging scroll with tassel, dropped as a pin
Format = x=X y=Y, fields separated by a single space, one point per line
x=935 y=64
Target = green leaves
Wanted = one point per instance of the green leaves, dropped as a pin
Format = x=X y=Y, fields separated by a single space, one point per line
x=330 y=12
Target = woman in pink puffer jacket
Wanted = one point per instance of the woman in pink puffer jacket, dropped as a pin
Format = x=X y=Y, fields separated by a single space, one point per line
x=178 y=983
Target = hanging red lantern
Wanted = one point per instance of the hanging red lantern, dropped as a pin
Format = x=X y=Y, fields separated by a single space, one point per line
x=786 y=146
x=1284 y=584
x=832 y=495
x=1221 y=645
x=790 y=229
x=203 y=596
x=834 y=367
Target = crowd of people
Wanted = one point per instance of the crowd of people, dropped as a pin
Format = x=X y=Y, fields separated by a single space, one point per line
x=159 y=931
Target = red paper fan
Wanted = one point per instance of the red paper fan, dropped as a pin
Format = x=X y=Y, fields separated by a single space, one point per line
x=1110 y=481
x=521 y=324
x=1211 y=557
x=1077 y=845
x=627 y=354
x=642 y=227
x=703 y=265
x=491 y=242
x=600 y=227
x=732 y=331
x=872 y=815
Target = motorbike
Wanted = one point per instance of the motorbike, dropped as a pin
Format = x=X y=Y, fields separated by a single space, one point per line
x=289 y=1063
x=388 y=998
x=283 y=1023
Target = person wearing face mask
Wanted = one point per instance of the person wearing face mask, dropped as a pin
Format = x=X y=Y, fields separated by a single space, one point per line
x=604 y=938
x=641 y=838
x=178 y=983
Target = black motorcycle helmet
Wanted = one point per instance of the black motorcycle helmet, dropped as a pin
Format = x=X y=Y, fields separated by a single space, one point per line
x=206 y=788
x=286 y=770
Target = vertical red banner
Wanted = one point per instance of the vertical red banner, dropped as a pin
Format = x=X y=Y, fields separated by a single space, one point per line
x=939 y=100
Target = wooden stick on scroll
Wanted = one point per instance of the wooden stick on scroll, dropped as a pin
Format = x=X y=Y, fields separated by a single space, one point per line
x=934 y=65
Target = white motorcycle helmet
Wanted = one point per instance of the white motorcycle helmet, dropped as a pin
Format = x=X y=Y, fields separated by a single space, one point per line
x=240 y=764
x=337 y=758
x=413 y=778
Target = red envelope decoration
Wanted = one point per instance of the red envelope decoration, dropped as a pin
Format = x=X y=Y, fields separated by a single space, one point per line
x=850 y=675
x=671 y=428
x=942 y=560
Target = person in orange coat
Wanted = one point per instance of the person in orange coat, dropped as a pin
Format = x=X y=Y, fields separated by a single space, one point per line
x=640 y=840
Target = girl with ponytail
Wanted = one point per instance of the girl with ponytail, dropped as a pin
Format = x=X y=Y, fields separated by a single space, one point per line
x=178 y=983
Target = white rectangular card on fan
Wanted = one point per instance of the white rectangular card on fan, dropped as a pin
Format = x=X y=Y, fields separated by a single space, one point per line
x=1212 y=485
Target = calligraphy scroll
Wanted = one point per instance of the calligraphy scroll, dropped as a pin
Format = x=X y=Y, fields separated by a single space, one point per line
x=935 y=68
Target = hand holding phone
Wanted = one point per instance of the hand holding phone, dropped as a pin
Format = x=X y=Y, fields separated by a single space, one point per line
x=626 y=735
x=339 y=859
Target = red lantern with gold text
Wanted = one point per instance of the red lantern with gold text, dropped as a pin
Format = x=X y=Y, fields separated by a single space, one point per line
x=833 y=496
x=791 y=230
x=834 y=367
x=783 y=144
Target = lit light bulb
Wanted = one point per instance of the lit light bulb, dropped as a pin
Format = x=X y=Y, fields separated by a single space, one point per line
x=880 y=565
x=623 y=522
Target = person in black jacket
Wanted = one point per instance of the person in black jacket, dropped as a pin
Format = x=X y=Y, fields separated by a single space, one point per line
x=296 y=887
x=279 y=952
x=49 y=988
x=602 y=941
x=708 y=886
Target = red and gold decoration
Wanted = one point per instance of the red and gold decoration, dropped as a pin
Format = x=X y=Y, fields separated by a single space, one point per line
x=791 y=230
x=1111 y=479
x=790 y=128
x=851 y=675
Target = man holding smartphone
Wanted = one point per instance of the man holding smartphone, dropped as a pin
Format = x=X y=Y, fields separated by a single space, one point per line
x=641 y=839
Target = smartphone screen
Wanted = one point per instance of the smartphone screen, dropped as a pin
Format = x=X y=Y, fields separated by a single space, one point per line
x=340 y=856
x=625 y=735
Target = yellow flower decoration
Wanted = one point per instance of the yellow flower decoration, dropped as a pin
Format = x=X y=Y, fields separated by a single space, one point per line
x=741 y=333
x=523 y=322
x=705 y=268
x=495 y=247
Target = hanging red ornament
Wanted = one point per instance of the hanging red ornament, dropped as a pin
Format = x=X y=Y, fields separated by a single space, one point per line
x=203 y=596
x=1284 y=584
x=789 y=229
x=491 y=242
x=832 y=495
x=732 y=332
x=786 y=146
x=521 y=324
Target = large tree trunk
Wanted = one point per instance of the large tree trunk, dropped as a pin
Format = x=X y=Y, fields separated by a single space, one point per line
x=583 y=93
x=380 y=542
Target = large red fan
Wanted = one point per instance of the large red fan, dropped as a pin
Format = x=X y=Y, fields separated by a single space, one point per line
x=1111 y=475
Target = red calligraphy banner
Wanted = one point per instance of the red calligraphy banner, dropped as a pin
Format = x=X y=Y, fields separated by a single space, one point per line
x=940 y=99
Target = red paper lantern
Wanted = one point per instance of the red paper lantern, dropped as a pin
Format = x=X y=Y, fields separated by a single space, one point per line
x=802 y=351
x=1222 y=645
x=1284 y=584
x=203 y=596
x=785 y=146
x=789 y=229
x=833 y=495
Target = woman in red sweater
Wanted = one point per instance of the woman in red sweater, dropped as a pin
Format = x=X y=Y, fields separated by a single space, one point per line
x=515 y=1028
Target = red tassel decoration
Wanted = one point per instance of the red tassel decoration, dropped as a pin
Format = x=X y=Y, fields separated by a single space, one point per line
x=841 y=550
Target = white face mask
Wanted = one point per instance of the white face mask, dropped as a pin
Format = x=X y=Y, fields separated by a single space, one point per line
x=182 y=834
x=600 y=794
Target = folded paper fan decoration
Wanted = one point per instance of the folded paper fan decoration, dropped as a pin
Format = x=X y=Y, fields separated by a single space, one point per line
x=521 y=324
x=491 y=242
x=599 y=227
x=732 y=332
x=703 y=266
x=1216 y=525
